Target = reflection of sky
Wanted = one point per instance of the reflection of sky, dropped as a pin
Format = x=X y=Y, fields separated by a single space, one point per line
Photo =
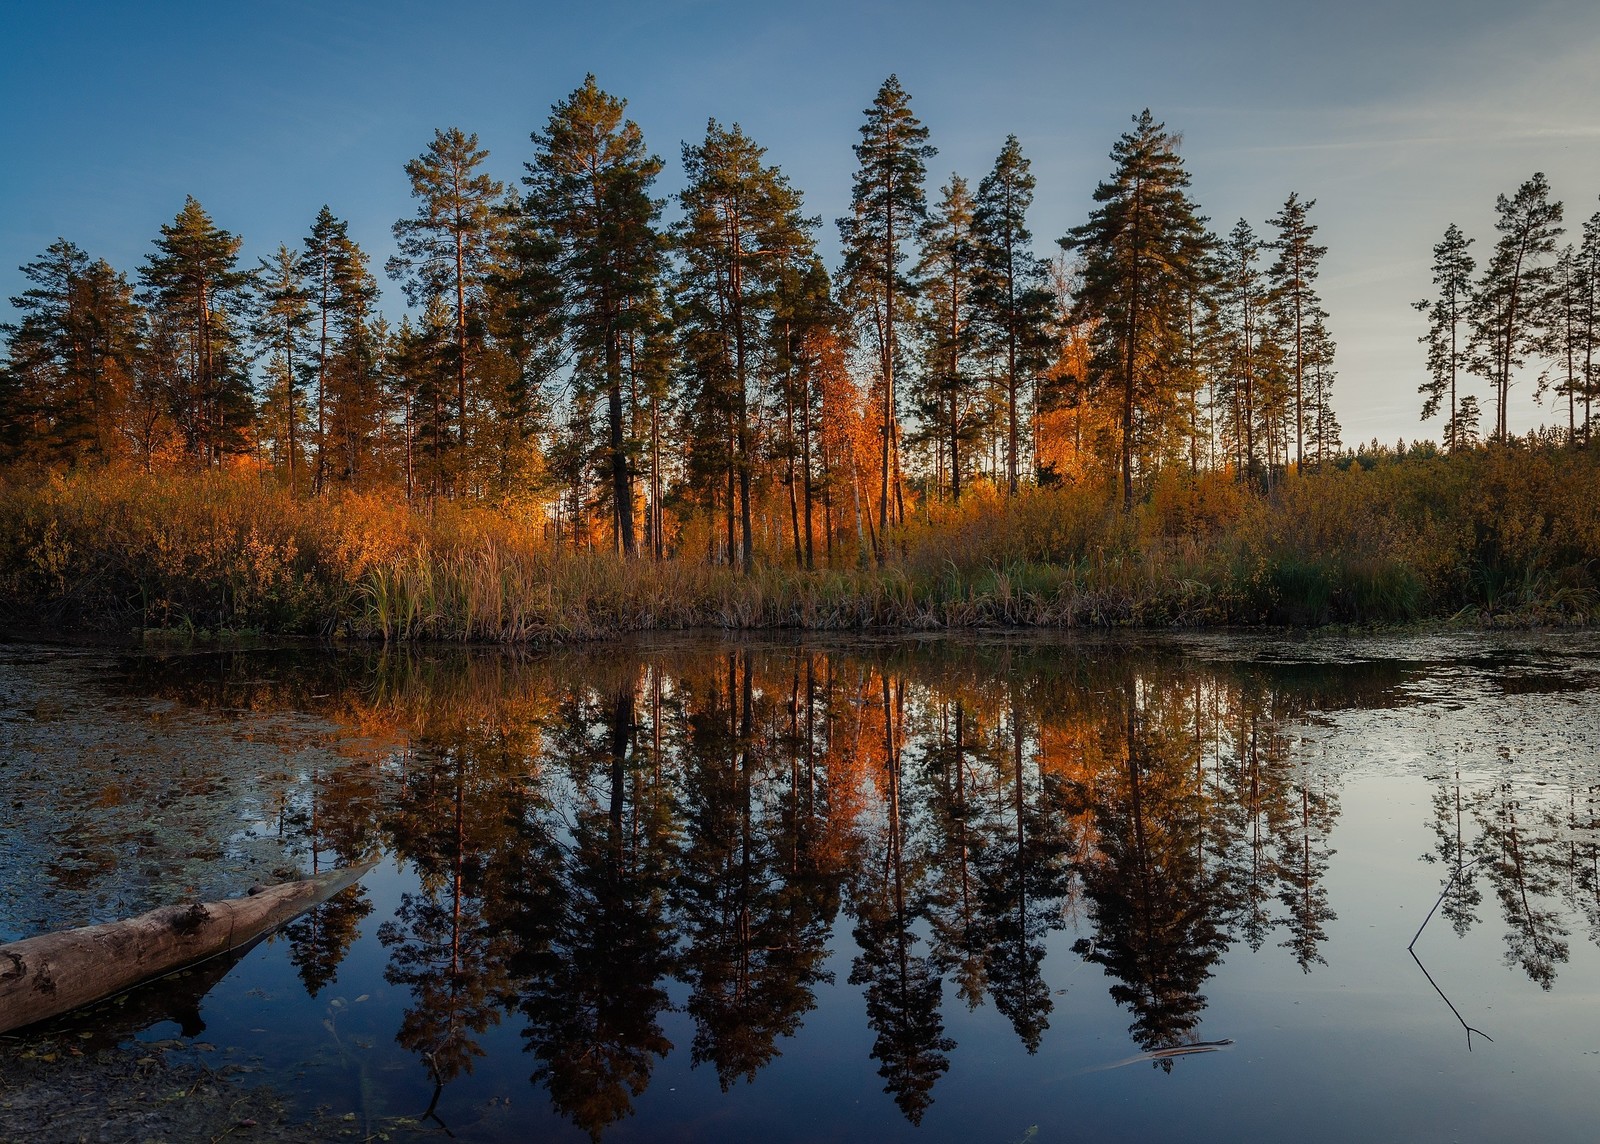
x=1397 y=118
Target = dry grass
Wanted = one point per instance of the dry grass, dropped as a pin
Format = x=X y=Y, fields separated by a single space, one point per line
x=1497 y=535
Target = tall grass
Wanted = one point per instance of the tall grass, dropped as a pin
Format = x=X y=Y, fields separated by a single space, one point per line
x=1503 y=535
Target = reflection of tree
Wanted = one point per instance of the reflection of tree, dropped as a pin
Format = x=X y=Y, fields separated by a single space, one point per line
x=755 y=937
x=320 y=938
x=1536 y=845
x=903 y=990
x=453 y=826
x=586 y=829
x=1024 y=876
x=1256 y=813
x=1584 y=851
x=1523 y=874
x=1302 y=860
x=341 y=817
x=598 y=945
x=1150 y=892
x=1461 y=894
x=955 y=811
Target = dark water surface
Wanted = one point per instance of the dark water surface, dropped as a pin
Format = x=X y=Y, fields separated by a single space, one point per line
x=978 y=890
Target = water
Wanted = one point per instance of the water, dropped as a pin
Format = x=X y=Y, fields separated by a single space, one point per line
x=950 y=889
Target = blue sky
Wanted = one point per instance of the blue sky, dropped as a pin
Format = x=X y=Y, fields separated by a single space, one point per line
x=1398 y=118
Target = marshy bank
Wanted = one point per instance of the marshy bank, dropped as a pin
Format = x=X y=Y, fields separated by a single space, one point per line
x=1500 y=535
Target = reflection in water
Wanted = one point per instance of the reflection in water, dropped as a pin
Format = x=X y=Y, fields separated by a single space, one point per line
x=590 y=833
x=1537 y=846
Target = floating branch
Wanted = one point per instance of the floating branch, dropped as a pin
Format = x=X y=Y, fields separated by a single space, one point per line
x=1459 y=870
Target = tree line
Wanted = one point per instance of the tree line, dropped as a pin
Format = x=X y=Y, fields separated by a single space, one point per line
x=1535 y=301
x=708 y=386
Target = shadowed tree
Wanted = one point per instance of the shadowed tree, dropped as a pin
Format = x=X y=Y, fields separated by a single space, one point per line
x=192 y=284
x=589 y=196
x=1244 y=330
x=342 y=294
x=888 y=205
x=1448 y=345
x=1012 y=301
x=73 y=357
x=1511 y=298
x=946 y=277
x=1589 y=270
x=1569 y=332
x=449 y=247
x=1293 y=279
x=281 y=328
x=1143 y=249
x=741 y=228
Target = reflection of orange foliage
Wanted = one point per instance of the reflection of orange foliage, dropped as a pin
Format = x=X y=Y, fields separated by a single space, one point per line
x=854 y=759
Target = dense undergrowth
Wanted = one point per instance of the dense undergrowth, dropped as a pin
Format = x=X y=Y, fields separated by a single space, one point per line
x=1497 y=535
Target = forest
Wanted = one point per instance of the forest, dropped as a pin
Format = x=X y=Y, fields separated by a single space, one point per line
x=605 y=410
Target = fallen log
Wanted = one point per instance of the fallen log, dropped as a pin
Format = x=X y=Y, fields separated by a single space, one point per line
x=54 y=973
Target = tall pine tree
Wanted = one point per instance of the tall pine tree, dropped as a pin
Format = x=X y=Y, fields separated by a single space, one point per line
x=341 y=292
x=1293 y=277
x=946 y=277
x=449 y=247
x=888 y=204
x=1143 y=249
x=193 y=286
x=1013 y=302
x=741 y=227
x=1447 y=341
x=73 y=357
x=1511 y=297
x=282 y=330
x=589 y=197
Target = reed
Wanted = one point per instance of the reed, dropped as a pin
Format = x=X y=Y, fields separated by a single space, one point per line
x=1494 y=536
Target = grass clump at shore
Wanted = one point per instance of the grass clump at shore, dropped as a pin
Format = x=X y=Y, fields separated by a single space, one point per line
x=1497 y=535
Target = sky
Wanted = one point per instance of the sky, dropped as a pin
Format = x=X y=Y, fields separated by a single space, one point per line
x=1397 y=117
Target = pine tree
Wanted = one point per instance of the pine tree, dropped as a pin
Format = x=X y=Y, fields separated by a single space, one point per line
x=422 y=361
x=1567 y=335
x=341 y=292
x=1323 y=423
x=193 y=284
x=1013 y=302
x=1142 y=249
x=1589 y=263
x=946 y=279
x=526 y=355
x=1244 y=327
x=1448 y=349
x=741 y=227
x=804 y=321
x=281 y=328
x=1293 y=275
x=888 y=204
x=1511 y=296
x=72 y=357
x=449 y=247
x=589 y=196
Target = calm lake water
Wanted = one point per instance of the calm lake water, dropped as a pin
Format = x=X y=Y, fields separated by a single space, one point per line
x=958 y=889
